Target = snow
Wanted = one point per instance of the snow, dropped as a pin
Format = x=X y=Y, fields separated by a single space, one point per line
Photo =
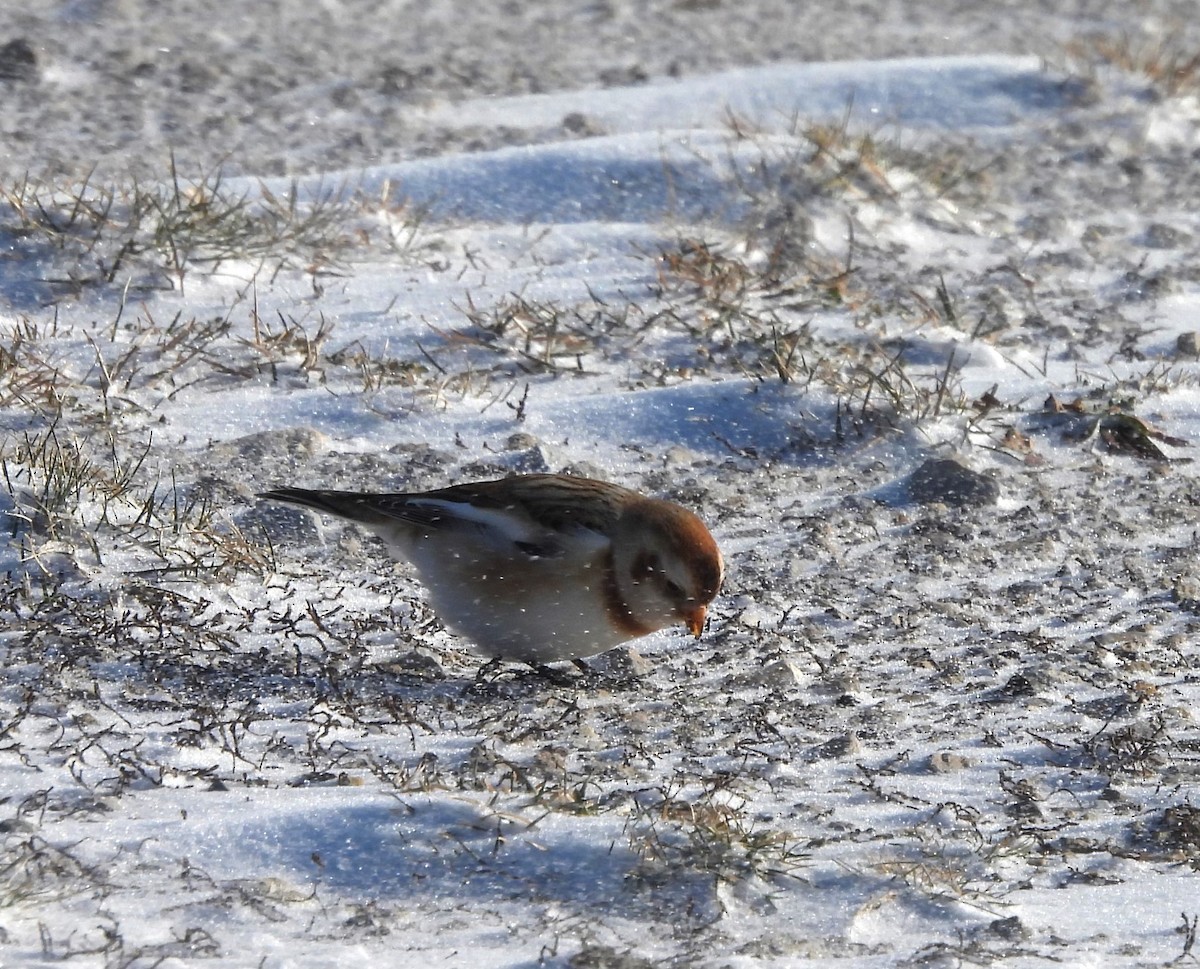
x=235 y=735
x=990 y=92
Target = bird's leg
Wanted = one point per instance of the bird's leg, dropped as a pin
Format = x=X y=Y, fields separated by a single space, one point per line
x=488 y=670
x=553 y=676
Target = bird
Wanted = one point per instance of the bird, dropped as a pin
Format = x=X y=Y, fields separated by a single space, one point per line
x=542 y=568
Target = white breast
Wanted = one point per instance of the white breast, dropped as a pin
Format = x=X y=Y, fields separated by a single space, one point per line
x=511 y=605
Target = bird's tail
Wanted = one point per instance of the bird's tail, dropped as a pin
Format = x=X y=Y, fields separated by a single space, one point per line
x=353 y=505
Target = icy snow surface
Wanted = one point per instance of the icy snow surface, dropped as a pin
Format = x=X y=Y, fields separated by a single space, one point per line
x=234 y=735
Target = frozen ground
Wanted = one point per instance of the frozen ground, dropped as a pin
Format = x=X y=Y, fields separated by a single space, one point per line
x=929 y=725
x=288 y=87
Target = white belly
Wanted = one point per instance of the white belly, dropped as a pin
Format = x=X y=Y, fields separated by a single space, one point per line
x=532 y=610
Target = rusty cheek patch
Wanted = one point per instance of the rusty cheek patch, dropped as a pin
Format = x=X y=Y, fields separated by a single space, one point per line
x=617 y=608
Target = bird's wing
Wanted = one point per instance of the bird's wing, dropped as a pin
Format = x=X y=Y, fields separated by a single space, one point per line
x=553 y=501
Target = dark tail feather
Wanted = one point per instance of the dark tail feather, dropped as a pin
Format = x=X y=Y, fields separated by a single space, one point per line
x=345 y=504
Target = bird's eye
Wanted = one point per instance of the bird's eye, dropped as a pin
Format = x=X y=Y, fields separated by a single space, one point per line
x=645 y=566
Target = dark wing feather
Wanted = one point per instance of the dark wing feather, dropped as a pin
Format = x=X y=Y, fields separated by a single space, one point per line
x=557 y=502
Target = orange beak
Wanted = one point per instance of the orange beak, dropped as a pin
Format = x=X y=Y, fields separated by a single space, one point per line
x=694 y=620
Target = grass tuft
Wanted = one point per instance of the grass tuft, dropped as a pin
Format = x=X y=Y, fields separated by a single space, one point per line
x=149 y=236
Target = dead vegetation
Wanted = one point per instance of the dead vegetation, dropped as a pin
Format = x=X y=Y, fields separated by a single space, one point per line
x=1166 y=61
x=147 y=236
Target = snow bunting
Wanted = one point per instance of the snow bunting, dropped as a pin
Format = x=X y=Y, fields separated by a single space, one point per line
x=543 y=567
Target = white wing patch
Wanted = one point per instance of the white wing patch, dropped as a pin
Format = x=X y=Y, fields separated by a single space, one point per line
x=508 y=531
